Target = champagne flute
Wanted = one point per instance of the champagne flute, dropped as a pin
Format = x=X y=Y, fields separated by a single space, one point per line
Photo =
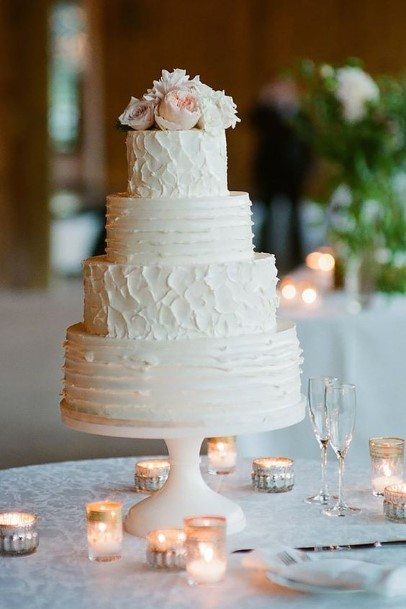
x=318 y=417
x=341 y=407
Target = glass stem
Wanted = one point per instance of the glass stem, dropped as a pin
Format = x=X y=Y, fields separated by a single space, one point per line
x=341 y=503
x=324 y=489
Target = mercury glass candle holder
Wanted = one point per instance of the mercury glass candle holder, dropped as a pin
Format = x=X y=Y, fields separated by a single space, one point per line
x=394 y=503
x=18 y=533
x=104 y=530
x=206 y=551
x=221 y=454
x=166 y=549
x=150 y=475
x=273 y=474
x=387 y=456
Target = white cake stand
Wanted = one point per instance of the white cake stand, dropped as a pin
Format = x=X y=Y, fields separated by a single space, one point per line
x=185 y=492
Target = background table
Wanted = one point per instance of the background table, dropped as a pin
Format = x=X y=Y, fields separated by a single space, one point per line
x=59 y=575
x=368 y=349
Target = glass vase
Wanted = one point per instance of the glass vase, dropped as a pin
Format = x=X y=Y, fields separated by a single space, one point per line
x=359 y=280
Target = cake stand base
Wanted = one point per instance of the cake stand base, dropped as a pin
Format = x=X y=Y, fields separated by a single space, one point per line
x=185 y=494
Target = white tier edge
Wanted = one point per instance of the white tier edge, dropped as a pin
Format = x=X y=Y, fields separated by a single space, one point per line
x=176 y=164
x=185 y=231
x=162 y=302
x=196 y=382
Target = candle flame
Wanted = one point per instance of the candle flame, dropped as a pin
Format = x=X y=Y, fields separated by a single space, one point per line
x=289 y=291
x=387 y=470
x=206 y=551
x=309 y=295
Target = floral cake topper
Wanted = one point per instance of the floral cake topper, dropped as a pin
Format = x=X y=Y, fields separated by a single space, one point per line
x=176 y=102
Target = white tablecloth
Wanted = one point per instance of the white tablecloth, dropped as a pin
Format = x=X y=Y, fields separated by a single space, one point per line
x=368 y=349
x=59 y=575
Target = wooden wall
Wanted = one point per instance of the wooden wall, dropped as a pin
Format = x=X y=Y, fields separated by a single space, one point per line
x=23 y=143
x=237 y=45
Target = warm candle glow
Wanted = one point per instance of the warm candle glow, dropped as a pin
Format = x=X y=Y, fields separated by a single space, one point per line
x=320 y=261
x=386 y=462
x=18 y=533
x=289 y=291
x=221 y=454
x=273 y=474
x=104 y=530
x=150 y=475
x=206 y=560
x=166 y=548
x=309 y=295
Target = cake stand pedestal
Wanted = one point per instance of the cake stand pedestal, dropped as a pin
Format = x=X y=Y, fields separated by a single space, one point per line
x=185 y=493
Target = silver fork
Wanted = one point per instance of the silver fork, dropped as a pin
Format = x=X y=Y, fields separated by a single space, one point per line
x=289 y=559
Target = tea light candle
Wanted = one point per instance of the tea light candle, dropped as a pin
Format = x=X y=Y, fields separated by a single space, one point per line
x=221 y=454
x=394 y=504
x=104 y=530
x=387 y=456
x=151 y=475
x=18 y=533
x=273 y=474
x=166 y=548
x=206 y=554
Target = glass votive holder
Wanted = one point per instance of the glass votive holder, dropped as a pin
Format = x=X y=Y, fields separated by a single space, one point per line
x=394 y=502
x=18 y=533
x=387 y=456
x=273 y=474
x=150 y=475
x=221 y=454
x=104 y=530
x=166 y=549
x=206 y=551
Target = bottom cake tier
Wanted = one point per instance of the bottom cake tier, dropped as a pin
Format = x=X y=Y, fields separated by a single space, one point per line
x=191 y=382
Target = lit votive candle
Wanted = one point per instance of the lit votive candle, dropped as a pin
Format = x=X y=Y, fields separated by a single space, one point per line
x=394 y=503
x=18 y=533
x=104 y=530
x=221 y=454
x=151 y=475
x=387 y=456
x=166 y=548
x=273 y=474
x=206 y=552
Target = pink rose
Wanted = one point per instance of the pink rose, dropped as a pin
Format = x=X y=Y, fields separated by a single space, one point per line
x=138 y=115
x=178 y=110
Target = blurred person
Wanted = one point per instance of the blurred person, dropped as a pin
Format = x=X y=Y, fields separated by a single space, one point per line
x=281 y=165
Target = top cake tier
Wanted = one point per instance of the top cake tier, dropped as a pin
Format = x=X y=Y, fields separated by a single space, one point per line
x=176 y=164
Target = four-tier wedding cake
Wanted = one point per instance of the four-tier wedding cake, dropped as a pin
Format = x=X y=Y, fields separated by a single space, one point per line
x=180 y=314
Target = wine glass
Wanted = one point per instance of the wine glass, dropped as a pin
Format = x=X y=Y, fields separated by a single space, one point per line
x=341 y=406
x=318 y=417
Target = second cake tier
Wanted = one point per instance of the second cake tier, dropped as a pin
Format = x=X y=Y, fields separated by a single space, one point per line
x=161 y=302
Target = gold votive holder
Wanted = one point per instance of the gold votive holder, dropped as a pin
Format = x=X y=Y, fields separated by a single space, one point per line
x=104 y=530
x=18 y=533
x=394 y=502
x=166 y=549
x=273 y=474
x=221 y=454
x=387 y=455
x=206 y=550
x=150 y=475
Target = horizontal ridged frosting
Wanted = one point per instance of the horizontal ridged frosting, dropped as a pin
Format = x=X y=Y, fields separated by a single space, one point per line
x=176 y=164
x=176 y=302
x=146 y=231
x=183 y=381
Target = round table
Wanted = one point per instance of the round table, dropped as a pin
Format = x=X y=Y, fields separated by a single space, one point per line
x=60 y=576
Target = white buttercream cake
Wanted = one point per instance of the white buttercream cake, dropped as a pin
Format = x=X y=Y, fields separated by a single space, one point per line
x=180 y=314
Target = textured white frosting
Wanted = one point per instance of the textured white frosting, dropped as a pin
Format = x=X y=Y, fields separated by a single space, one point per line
x=190 y=381
x=176 y=302
x=176 y=164
x=147 y=231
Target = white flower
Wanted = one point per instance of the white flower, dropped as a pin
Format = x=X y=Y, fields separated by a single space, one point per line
x=326 y=71
x=354 y=89
x=218 y=109
x=138 y=115
x=178 y=79
x=179 y=109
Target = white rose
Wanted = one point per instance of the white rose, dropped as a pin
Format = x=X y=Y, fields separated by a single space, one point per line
x=179 y=109
x=218 y=109
x=211 y=119
x=138 y=115
x=227 y=109
x=178 y=79
x=354 y=89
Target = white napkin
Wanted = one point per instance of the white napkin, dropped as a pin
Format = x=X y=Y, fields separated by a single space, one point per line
x=329 y=572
